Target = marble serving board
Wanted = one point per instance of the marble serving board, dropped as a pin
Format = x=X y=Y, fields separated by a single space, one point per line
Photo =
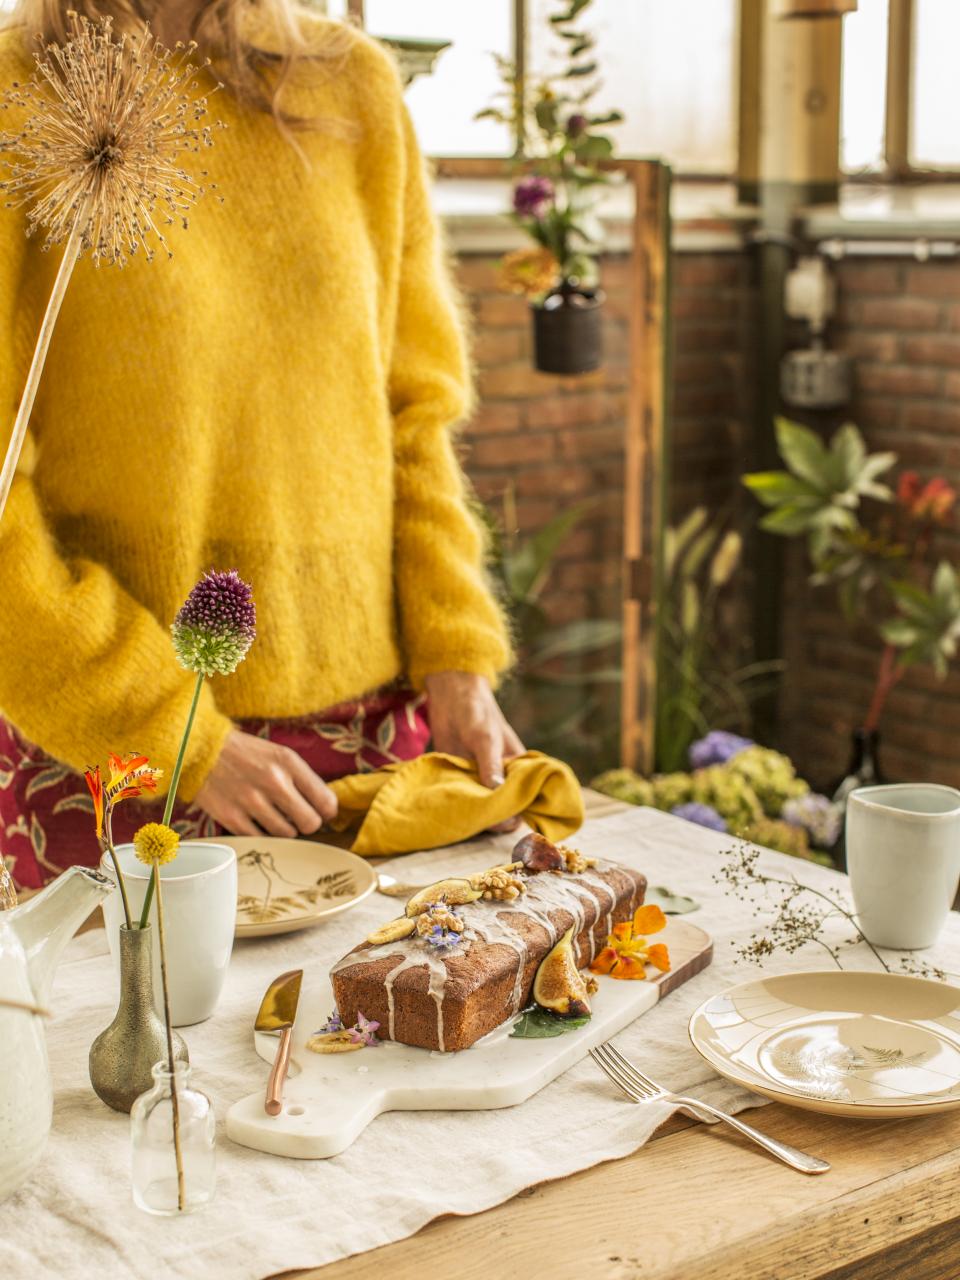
x=330 y=1099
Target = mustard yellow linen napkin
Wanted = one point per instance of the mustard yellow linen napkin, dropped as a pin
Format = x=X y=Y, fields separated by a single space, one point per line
x=438 y=799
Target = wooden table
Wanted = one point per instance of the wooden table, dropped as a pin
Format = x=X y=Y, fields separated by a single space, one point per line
x=698 y=1203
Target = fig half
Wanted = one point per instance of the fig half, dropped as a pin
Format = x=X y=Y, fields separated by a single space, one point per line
x=538 y=854
x=559 y=986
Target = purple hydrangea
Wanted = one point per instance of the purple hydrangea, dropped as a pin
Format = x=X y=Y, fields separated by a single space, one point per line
x=717 y=747
x=704 y=815
x=532 y=196
x=818 y=816
x=216 y=625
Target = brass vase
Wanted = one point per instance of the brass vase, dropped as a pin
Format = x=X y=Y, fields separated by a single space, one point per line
x=123 y=1056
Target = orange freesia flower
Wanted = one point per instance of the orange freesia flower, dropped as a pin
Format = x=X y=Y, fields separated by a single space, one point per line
x=95 y=783
x=628 y=953
x=130 y=776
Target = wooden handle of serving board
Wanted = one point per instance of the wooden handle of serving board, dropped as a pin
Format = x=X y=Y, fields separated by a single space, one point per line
x=278 y=1074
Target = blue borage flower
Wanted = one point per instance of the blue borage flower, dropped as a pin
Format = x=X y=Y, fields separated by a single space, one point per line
x=333 y=1023
x=442 y=939
x=364 y=1031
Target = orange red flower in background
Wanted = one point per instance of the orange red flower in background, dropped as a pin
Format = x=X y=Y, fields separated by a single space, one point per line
x=932 y=502
x=628 y=953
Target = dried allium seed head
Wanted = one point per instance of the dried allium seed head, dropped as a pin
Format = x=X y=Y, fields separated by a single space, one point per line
x=105 y=122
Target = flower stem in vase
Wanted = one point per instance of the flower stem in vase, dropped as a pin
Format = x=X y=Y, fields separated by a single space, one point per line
x=121 y=882
x=888 y=674
x=172 y=793
x=171 y=1062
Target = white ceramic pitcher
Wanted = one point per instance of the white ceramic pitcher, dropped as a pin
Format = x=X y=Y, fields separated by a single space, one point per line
x=31 y=939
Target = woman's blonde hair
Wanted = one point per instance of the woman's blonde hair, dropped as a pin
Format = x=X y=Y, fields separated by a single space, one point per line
x=256 y=76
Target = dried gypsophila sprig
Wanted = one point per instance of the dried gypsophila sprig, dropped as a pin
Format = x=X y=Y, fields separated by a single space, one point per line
x=96 y=158
x=106 y=120
x=799 y=915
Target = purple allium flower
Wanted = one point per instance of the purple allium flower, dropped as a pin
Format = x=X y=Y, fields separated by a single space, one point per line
x=216 y=625
x=818 y=816
x=333 y=1023
x=704 y=815
x=364 y=1032
x=717 y=747
x=576 y=125
x=532 y=196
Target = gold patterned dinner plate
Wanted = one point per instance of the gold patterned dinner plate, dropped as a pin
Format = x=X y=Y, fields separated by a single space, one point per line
x=855 y=1044
x=284 y=885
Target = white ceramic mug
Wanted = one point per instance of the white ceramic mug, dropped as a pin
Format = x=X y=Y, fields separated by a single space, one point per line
x=903 y=857
x=199 y=919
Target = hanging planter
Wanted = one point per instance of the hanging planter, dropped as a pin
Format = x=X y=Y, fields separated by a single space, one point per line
x=568 y=330
x=567 y=156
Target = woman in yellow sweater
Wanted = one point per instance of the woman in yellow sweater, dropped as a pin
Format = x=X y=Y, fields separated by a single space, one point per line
x=277 y=399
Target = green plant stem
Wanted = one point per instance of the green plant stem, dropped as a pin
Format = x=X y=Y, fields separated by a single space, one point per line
x=121 y=882
x=172 y=793
x=171 y=1064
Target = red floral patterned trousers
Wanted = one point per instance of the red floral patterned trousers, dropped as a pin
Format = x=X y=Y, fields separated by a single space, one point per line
x=46 y=814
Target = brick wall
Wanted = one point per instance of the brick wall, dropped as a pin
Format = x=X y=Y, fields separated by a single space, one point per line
x=559 y=441
x=902 y=322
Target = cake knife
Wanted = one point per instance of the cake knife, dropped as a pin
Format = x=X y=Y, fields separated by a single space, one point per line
x=278 y=1010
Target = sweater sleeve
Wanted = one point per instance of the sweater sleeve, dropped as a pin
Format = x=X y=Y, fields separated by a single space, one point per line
x=449 y=620
x=84 y=669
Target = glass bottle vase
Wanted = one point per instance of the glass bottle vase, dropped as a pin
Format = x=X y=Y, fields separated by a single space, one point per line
x=154 y=1165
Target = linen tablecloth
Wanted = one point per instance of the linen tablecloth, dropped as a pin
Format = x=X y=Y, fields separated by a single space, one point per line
x=75 y=1218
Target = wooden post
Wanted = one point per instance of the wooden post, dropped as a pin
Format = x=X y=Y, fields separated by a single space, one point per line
x=645 y=470
x=899 y=88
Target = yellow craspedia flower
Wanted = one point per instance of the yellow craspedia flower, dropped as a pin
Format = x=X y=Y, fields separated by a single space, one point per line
x=156 y=843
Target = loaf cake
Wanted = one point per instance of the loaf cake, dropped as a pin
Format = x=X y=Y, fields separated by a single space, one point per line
x=463 y=958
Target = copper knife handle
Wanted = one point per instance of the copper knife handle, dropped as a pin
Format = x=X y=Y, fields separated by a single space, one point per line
x=278 y=1074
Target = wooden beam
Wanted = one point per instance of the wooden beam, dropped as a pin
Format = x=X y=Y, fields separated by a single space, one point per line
x=899 y=93
x=644 y=474
x=644 y=438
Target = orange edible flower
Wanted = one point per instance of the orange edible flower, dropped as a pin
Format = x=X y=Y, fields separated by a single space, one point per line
x=95 y=783
x=628 y=953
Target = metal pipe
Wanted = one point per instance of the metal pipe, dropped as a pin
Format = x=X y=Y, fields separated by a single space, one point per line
x=920 y=248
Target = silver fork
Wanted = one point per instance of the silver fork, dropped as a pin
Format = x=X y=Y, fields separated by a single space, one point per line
x=640 y=1088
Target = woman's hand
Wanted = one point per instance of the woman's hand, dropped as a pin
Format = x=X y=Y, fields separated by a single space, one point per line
x=258 y=786
x=465 y=720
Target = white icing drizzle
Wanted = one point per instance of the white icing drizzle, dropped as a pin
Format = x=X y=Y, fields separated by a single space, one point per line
x=491 y=922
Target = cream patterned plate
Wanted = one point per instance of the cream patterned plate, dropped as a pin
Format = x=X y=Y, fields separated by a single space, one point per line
x=855 y=1044
x=284 y=885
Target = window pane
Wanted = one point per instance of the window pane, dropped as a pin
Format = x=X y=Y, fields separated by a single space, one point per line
x=671 y=69
x=935 y=140
x=465 y=78
x=864 y=86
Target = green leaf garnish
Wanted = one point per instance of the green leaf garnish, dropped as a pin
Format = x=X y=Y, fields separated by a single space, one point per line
x=541 y=1024
x=671 y=904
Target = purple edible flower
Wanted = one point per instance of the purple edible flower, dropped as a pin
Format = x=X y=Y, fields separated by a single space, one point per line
x=532 y=196
x=216 y=625
x=704 y=815
x=818 y=816
x=333 y=1023
x=442 y=939
x=364 y=1032
x=717 y=747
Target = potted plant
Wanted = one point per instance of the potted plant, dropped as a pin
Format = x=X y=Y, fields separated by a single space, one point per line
x=554 y=200
x=876 y=546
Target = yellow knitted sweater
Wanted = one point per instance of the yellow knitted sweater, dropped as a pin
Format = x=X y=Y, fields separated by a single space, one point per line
x=277 y=399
